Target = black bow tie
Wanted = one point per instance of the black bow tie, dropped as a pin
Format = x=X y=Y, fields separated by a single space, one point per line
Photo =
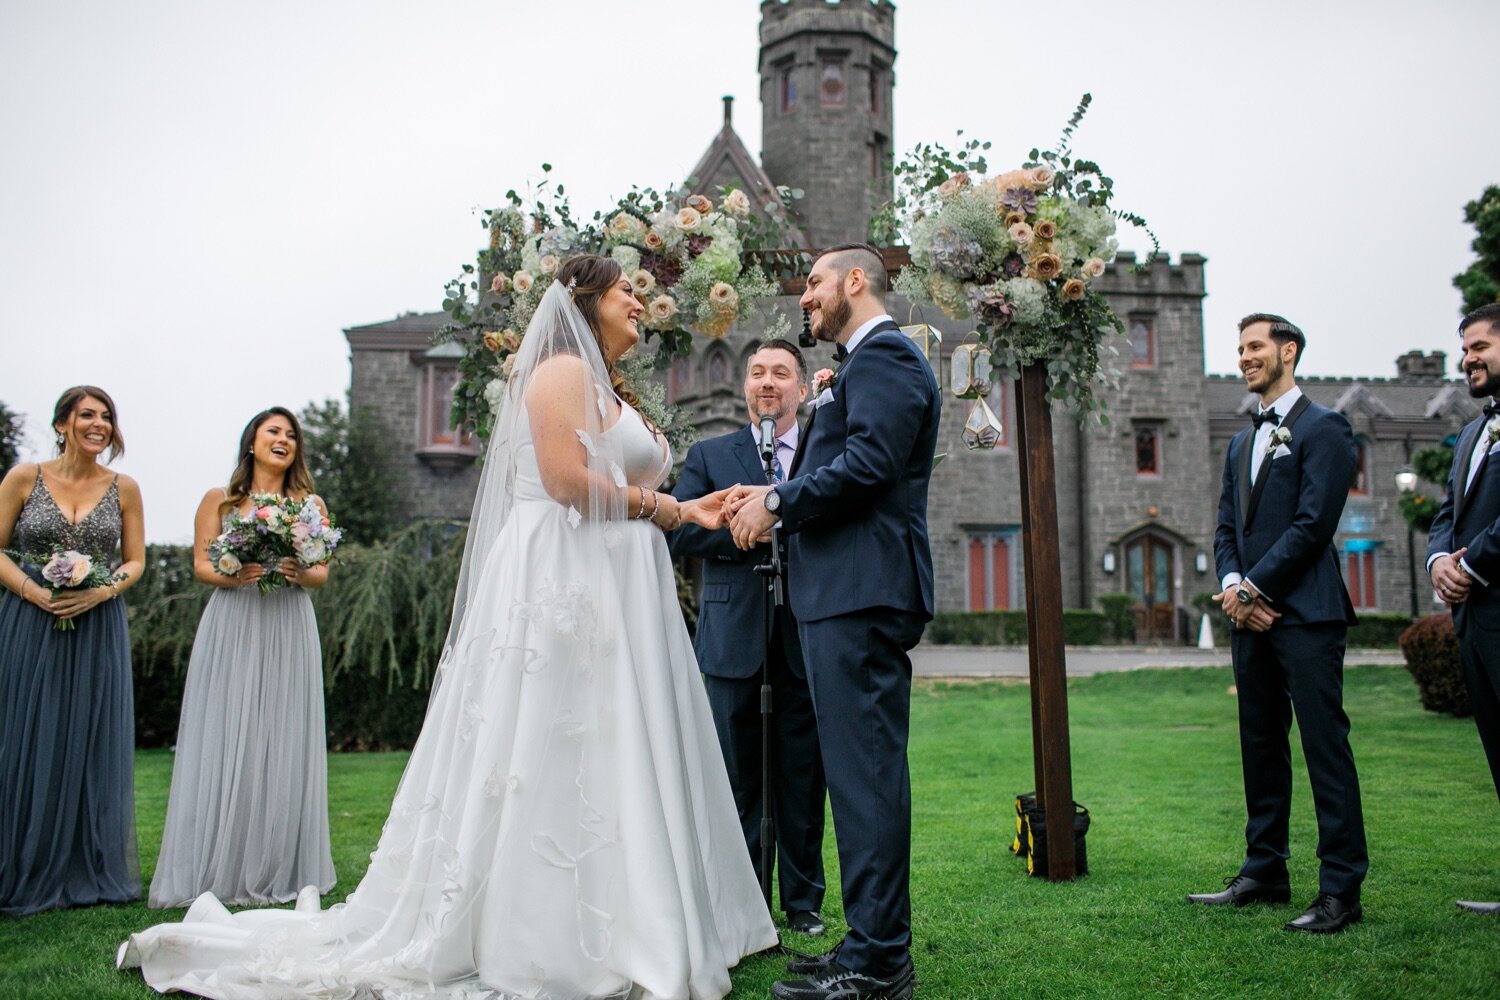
x=1492 y=410
x=1263 y=417
x=840 y=352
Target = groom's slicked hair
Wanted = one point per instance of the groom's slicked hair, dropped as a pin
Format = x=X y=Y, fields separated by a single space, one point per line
x=1283 y=331
x=845 y=257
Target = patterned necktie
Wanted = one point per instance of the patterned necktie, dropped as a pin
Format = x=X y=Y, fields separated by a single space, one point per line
x=776 y=467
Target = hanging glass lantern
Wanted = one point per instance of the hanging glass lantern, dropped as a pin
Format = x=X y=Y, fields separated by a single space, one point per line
x=970 y=371
x=928 y=340
x=982 y=429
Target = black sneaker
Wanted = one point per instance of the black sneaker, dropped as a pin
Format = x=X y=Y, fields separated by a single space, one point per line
x=805 y=922
x=839 y=983
x=815 y=965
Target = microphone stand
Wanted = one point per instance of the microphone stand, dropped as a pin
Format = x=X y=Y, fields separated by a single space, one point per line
x=775 y=598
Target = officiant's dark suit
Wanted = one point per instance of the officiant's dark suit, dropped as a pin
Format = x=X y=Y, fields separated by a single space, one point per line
x=855 y=512
x=1468 y=523
x=730 y=642
x=1274 y=539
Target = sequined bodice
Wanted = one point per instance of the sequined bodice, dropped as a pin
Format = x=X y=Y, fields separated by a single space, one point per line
x=43 y=527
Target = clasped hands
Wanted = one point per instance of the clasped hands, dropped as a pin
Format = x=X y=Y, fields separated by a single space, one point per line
x=741 y=509
x=1256 y=616
x=1450 y=579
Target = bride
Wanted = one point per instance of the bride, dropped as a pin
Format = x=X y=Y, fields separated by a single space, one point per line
x=564 y=828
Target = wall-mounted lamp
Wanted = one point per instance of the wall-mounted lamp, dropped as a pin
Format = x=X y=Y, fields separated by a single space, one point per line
x=1108 y=562
x=1200 y=562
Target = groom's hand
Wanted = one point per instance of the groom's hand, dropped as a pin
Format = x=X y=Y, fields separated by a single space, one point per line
x=750 y=519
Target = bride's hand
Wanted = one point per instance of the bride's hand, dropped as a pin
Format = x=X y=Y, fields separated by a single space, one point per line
x=706 y=511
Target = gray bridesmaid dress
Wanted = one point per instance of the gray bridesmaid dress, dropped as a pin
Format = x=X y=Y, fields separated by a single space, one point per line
x=67 y=731
x=247 y=818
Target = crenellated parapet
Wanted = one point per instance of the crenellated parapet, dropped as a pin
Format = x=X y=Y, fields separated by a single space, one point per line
x=781 y=19
x=1158 y=275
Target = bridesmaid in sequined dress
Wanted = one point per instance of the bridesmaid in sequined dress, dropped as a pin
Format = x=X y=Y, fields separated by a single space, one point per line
x=67 y=720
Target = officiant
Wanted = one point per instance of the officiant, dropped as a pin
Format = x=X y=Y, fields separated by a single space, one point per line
x=733 y=646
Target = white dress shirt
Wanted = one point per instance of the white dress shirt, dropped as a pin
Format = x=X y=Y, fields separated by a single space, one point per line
x=1260 y=442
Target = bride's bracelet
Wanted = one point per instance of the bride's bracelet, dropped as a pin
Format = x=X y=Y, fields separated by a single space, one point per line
x=655 y=506
x=639 y=514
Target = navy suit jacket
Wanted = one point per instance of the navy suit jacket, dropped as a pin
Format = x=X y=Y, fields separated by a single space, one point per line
x=1288 y=551
x=731 y=613
x=855 y=507
x=1472 y=518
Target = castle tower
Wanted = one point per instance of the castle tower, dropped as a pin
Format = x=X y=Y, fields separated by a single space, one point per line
x=826 y=80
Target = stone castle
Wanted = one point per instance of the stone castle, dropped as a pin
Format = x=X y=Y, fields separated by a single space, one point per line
x=1137 y=498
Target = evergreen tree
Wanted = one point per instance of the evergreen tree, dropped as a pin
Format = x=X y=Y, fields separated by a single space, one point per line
x=10 y=438
x=346 y=453
x=1480 y=284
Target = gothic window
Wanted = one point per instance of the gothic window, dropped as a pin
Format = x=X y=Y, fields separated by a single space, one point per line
x=1142 y=332
x=1148 y=451
x=679 y=379
x=993 y=558
x=880 y=151
x=877 y=81
x=833 y=87
x=786 y=89
x=1359 y=482
x=718 y=369
x=1359 y=573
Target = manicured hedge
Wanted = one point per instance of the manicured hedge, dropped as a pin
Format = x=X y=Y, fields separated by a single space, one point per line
x=1431 y=649
x=1008 y=628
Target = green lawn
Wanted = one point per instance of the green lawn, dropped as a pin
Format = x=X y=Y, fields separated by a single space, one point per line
x=1155 y=759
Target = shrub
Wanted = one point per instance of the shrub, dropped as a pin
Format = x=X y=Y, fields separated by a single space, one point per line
x=1378 y=630
x=1008 y=628
x=1119 y=612
x=1430 y=647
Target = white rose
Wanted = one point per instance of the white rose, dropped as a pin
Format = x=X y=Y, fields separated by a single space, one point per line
x=522 y=280
x=688 y=219
x=643 y=282
x=737 y=203
x=550 y=263
x=228 y=564
x=1093 y=267
x=662 y=308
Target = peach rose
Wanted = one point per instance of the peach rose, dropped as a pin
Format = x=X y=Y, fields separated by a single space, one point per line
x=699 y=204
x=499 y=283
x=1040 y=176
x=1047 y=266
x=737 y=203
x=491 y=341
x=510 y=341
x=642 y=281
x=1093 y=267
x=662 y=308
x=688 y=219
x=82 y=567
x=1021 y=233
x=507 y=366
x=523 y=281
x=1045 y=229
x=724 y=296
x=1014 y=219
x=550 y=263
x=1073 y=289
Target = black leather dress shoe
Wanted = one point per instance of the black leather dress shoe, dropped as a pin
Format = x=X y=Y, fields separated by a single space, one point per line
x=1243 y=889
x=805 y=922
x=839 y=983
x=815 y=965
x=1327 y=915
x=1478 y=907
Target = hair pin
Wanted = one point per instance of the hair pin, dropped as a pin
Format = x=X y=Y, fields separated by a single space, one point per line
x=572 y=287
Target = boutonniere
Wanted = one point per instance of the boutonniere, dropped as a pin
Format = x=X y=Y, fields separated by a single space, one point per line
x=824 y=379
x=1492 y=430
x=1279 y=437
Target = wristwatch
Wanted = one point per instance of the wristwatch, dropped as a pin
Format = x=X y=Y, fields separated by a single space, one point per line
x=1244 y=595
x=773 y=501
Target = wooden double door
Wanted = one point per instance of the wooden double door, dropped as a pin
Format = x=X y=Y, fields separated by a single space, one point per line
x=1150 y=563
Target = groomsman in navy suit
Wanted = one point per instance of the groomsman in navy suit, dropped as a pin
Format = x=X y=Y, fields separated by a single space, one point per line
x=1463 y=547
x=1286 y=478
x=855 y=513
x=731 y=643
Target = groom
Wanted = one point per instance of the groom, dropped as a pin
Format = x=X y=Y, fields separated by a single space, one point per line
x=860 y=585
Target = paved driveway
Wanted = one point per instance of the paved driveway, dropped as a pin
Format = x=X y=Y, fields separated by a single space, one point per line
x=1083 y=661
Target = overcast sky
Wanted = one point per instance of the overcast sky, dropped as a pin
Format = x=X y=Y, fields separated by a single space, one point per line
x=197 y=197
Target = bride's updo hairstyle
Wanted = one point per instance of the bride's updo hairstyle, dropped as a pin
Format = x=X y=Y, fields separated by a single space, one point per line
x=592 y=276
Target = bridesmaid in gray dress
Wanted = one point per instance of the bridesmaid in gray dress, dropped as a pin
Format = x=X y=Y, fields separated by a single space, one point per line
x=67 y=721
x=247 y=818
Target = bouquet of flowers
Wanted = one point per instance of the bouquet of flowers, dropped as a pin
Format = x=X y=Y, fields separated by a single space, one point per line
x=69 y=569
x=684 y=255
x=275 y=528
x=1018 y=252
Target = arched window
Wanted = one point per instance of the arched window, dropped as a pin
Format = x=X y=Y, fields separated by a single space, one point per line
x=1359 y=482
x=679 y=379
x=718 y=369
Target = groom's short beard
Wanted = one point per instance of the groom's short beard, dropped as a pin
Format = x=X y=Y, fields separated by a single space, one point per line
x=1489 y=387
x=834 y=317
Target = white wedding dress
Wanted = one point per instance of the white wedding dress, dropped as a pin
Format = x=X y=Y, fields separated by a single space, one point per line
x=564 y=828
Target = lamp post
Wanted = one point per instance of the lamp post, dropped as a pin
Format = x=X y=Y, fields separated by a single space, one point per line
x=1406 y=483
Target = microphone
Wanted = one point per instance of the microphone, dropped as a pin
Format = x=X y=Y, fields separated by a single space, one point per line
x=768 y=438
